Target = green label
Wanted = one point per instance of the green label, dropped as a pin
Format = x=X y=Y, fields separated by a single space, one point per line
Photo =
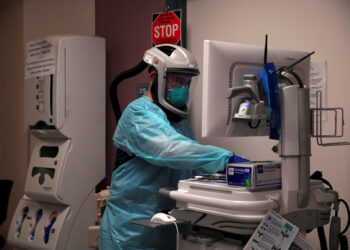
x=248 y=182
x=288 y=227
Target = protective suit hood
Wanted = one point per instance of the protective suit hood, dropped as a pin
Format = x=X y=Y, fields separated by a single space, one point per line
x=168 y=58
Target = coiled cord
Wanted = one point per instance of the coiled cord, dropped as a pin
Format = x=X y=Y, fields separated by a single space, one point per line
x=342 y=237
x=343 y=242
x=322 y=237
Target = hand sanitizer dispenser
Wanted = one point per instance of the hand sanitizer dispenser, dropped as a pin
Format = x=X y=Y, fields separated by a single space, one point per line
x=65 y=112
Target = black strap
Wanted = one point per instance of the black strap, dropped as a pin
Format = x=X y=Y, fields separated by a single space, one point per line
x=121 y=157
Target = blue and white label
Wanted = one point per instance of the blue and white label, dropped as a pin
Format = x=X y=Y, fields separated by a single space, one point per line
x=238 y=176
x=254 y=174
x=231 y=171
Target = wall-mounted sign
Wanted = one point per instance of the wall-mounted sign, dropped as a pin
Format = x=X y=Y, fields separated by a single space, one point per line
x=40 y=59
x=166 y=28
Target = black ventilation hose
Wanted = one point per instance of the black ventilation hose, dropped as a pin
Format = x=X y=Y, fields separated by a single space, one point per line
x=114 y=86
x=322 y=237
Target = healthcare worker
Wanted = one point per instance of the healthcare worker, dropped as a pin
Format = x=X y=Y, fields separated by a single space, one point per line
x=156 y=149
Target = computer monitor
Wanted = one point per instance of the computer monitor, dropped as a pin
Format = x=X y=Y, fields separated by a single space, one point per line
x=225 y=63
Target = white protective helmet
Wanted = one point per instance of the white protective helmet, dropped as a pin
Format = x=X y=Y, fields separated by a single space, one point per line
x=168 y=58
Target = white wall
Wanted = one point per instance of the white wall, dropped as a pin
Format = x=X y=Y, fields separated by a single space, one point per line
x=319 y=25
x=20 y=22
x=42 y=18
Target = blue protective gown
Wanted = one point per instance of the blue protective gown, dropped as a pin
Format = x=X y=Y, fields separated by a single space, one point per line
x=164 y=154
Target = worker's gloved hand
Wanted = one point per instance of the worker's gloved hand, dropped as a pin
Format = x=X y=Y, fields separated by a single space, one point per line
x=234 y=159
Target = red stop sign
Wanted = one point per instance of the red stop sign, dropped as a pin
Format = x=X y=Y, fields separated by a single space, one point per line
x=166 y=28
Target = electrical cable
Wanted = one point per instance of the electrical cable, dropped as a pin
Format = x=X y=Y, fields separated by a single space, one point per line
x=250 y=123
x=322 y=237
x=282 y=73
x=289 y=69
x=301 y=85
x=287 y=79
x=199 y=219
x=317 y=175
x=343 y=242
x=177 y=235
x=348 y=222
x=342 y=237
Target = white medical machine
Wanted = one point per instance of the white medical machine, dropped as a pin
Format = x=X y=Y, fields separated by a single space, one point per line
x=65 y=114
x=233 y=106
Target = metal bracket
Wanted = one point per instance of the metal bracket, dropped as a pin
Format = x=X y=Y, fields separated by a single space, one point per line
x=316 y=123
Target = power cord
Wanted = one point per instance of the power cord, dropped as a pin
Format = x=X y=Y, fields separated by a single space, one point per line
x=317 y=175
x=283 y=74
x=342 y=237
x=177 y=235
x=322 y=237
x=348 y=212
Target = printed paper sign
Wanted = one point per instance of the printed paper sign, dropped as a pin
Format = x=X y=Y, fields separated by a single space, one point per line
x=40 y=59
x=317 y=82
x=302 y=243
x=274 y=232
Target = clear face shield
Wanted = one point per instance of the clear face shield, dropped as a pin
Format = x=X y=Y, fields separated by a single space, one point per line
x=179 y=87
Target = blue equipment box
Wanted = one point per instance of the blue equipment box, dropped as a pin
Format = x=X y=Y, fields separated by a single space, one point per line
x=253 y=175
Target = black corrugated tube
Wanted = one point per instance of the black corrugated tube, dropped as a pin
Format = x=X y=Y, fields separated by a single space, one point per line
x=117 y=80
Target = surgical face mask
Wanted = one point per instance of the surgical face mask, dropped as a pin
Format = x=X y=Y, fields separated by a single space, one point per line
x=178 y=96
